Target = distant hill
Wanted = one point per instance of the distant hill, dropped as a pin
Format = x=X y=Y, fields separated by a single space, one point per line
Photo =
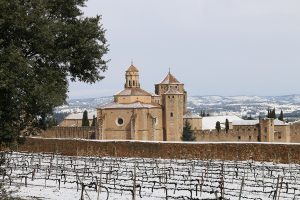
x=215 y=105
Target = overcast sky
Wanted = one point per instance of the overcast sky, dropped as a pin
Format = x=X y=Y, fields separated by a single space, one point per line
x=214 y=47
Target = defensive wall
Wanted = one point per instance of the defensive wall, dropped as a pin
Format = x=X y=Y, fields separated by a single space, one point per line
x=289 y=134
x=70 y=132
x=271 y=152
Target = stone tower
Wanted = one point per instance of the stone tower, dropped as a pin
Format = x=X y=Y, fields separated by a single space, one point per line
x=266 y=127
x=173 y=102
x=132 y=77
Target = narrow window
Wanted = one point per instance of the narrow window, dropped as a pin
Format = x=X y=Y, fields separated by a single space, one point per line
x=239 y=137
x=171 y=114
x=133 y=83
x=129 y=83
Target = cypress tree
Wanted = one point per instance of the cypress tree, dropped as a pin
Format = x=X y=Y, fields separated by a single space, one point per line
x=94 y=121
x=187 y=134
x=218 y=126
x=85 y=119
x=273 y=114
x=281 y=116
x=226 y=125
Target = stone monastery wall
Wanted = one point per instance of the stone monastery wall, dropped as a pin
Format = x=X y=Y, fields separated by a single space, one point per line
x=295 y=132
x=282 y=153
x=70 y=132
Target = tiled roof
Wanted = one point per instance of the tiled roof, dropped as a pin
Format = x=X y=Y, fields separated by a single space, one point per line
x=169 y=79
x=133 y=92
x=130 y=105
x=132 y=69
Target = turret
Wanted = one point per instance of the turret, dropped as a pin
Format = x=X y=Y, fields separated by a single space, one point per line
x=266 y=127
x=132 y=77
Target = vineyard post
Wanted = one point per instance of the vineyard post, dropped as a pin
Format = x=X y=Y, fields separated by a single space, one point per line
x=241 y=189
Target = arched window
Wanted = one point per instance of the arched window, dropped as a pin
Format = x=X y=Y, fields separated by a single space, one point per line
x=171 y=114
x=133 y=83
x=129 y=83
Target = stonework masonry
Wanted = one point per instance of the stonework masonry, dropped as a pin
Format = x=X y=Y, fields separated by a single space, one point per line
x=70 y=132
x=279 y=153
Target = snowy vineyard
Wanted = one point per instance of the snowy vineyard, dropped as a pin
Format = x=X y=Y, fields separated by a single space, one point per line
x=53 y=176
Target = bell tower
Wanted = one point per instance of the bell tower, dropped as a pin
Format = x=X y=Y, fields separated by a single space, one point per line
x=132 y=77
x=173 y=102
x=173 y=114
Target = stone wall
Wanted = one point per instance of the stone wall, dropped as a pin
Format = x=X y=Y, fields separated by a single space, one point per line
x=295 y=132
x=232 y=135
x=282 y=153
x=70 y=132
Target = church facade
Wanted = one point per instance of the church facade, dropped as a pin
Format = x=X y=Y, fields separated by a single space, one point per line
x=136 y=114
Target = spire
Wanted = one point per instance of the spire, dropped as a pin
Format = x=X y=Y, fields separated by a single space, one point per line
x=169 y=79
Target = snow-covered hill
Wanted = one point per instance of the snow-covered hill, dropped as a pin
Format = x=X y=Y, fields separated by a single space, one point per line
x=215 y=105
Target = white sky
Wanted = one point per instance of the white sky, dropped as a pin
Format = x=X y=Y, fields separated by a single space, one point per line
x=215 y=47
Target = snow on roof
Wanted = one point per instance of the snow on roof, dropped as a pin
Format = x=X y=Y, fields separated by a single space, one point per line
x=80 y=115
x=154 y=95
x=129 y=105
x=254 y=122
x=277 y=122
x=295 y=122
x=133 y=92
x=209 y=123
x=190 y=115
x=245 y=122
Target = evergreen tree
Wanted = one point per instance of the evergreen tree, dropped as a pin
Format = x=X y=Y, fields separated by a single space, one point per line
x=187 y=134
x=94 y=121
x=226 y=125
x=85 y=119
x=207 y=114
x=44 y=44
x=203 y=113
x=269 y=113
x=218 y=126
x=281 y=116
x=273 y=115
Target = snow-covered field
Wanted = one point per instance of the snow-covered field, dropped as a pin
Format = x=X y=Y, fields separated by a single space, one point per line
x=53 y=176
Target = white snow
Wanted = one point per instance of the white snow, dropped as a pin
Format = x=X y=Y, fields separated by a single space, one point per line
x=203 y=179
x=209 y=123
